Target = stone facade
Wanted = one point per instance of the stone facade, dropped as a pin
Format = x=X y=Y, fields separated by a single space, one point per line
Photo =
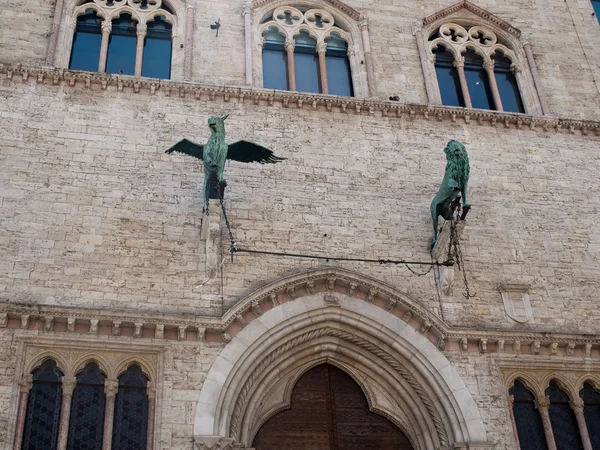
x=103 y=255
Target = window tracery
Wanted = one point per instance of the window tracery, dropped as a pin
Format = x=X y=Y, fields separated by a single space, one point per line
x=313 y=48
x=484 y=68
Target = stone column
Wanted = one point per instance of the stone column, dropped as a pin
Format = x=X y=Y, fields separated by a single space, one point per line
x=536 y=78
x=511 y=404
x=364 y=28
x=151 y=390
x=577 y=407
x=543 y=405
x=424 y=67
x=139 y=52
x=248 y=40
x=489 y=68
x=189 y=41
x=111 y=387
x=321 y=49
x=106 y=29
x=25 y=386
x=460 y=66
x=54 y=30
x=68 y=386
x=289 y=48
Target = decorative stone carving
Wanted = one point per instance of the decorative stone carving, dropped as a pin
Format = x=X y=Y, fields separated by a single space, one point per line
x=159 y=331
x=240 y=319
x=25 y=321
x=94 y=326
x=111 y=387
x=407 y=316
x=535 y=347
x=310 y=287
x=483 y=345
x=116 y=329
x=517 y=346
x=516 y=301
x=273 y=298
x=3 y=320
x=588 y=350
x=464 y=344
x=226 y=337
x=352 y=289
x=570 y=349
x=553 y=348
x=71 y=324
x=372 y=294
x=137 y=329
x=391 y=303
x=331 y=300
x=256 y=309
x=291 y=292
x=182 y=332
x=48 y=323
x=425 y=326
x=331 y=283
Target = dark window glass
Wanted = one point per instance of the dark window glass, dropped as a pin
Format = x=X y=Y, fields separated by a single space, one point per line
x=527 y=418
x=156 y=61
x=275 y=75
x=591 y=410
x=507 y=85
x=85 y=52
x=562 y=417
x=448 y=79
x=122 y=46
x=43 y=409
x=478 y=81
x=339 y=76
x=87 y=410
x=131 y=411
x=306 y=62
x=596 y=5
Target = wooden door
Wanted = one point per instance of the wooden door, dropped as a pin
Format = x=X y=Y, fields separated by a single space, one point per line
x=329 y=412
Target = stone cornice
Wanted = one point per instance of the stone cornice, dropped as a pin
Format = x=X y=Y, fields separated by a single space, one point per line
x=486 y=15
x=285 y=99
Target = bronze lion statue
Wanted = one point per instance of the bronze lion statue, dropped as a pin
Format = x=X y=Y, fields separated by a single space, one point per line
x=453 y=185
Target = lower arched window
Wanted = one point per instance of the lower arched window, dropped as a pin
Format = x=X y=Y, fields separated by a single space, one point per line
x=275 y=71
x=447 y=77
x=43 y=409
x=156 y=61
x=591 y=411
x=306 y=63
x=528 y=421
x=122 y=46
x=131 y=411
x=478 y=81
x=339 y=75
x=564 y=423
x=87 y=410
x=507 y=84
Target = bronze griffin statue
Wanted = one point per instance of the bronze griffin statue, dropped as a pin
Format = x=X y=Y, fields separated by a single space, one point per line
x=453 y=188
x=214 y=153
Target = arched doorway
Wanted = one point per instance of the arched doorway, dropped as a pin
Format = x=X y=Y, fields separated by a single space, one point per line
x=329 y=411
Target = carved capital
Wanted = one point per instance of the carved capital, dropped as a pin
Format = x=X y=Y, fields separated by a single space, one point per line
x=290 y=44
x=542 y=404
x=489 y=65
x=106 y=27
x=577 y=406
x=26 y=383
x=459 y=62
x=111 y=387
x=511 y=400
x=151 y=391
x=68 y=385
x=515 y=68
x=363 y=21
x=248 y=6
x=321 y=47
x=141 y=30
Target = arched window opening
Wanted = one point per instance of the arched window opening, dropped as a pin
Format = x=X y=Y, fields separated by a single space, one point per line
x=306 y=62
x=329 y=410
x=275 y=70
x=564 y=422
x=122 y=46
x=507 y=84
x=478 y=81
x=591 y=411
x=448 y=79
x=339 y=75
x=43 y=409
x=596 y=5
x=303 y=50
x=87 y=410
x=530 y=429
x=156 y=61
x=473 y=69
x=131 y=411
x=85 y=52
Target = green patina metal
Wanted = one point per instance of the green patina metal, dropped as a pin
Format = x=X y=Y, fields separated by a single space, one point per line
x=216 y=151
x=454 y=186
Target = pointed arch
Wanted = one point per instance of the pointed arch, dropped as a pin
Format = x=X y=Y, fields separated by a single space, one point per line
x=403 y=374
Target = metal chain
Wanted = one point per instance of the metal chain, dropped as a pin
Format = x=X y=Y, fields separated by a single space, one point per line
x=232 y=248
x=455 y=245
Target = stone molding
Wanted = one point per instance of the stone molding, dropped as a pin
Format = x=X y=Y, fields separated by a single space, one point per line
x=485 y=15
x=348 y=10
x=271 y=98
x=410 y=381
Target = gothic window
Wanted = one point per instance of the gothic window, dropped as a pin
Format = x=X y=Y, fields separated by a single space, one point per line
x=474 y=69
x=43 y=409
x=131 y=37
x=305 y=50
x=87 y=410
x=527 y=418
x=131 y=411
x=591 y=411
x=564 y=423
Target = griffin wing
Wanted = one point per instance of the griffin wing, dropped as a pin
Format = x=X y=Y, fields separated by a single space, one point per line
x=189 y=148
x=248 y=152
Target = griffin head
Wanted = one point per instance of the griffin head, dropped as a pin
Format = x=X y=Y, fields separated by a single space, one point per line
x=217 y=124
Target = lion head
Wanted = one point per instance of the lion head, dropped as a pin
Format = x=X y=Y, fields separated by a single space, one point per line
x=457 y=162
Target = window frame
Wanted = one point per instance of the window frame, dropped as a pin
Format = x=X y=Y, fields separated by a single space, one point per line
x=507 y=40
x=73 y=9
x=344 y=25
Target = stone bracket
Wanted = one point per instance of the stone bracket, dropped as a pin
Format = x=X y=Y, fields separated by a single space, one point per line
x=440 y=253
x=209 y=238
